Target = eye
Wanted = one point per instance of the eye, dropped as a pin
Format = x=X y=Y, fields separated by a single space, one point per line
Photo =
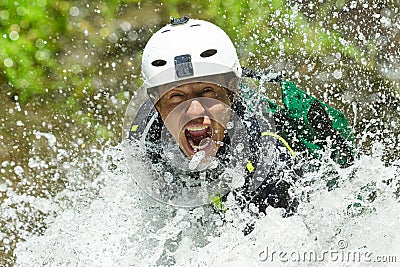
x=176 y=96
x=208 y=90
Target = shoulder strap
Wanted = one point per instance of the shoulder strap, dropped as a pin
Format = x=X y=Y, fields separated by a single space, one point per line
x=147 y=124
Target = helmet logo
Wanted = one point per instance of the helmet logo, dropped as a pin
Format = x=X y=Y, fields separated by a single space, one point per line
x=183 y=66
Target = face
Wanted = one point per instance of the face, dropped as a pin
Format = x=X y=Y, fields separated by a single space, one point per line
x=196 y=115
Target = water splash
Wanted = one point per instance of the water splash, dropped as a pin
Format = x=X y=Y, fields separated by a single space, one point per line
x=122 y=226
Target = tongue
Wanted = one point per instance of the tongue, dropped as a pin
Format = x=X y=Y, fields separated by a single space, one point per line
x=197 y=139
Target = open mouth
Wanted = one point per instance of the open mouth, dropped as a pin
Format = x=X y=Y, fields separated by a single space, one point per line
x=198 y=136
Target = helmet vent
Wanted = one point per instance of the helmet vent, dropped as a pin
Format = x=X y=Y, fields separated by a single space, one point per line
x=158 y=63
x=194 y=25
x=165 y=31
x=208 y=53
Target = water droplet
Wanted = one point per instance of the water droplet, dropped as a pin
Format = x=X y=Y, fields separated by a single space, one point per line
x=226 y=177
x=8 y=62
x=125 y=26
x=214 y=164
x=113 y=38
x=197 y=158
x=133 y=35
x=40 y=43
x=230 y=125
x=41 y=3
x=3 y=187
x=168 y=177
x=260 y=179
x=14 y=35
x=239 y=147
x=76 y=68
x=21 y=11
x=74 y=11
x=170 y=155
x=24 y=83
x=198 y=212
x=4 y=15
x=15 y=28
x=386 y=12
x=337 y=74
x=42 y=54
x=18 y=170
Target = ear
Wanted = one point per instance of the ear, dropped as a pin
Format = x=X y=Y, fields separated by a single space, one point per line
x=233 y=84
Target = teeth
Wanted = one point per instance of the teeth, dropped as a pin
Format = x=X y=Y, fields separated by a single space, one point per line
x=197 y=128
x=197 y=148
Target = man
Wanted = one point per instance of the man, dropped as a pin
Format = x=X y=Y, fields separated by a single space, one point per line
x=203 y=134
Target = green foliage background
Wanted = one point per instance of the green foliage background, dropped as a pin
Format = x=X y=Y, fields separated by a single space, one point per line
x=69 y=68
x=46 y=32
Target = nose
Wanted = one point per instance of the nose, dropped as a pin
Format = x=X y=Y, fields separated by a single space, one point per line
x=195 y=108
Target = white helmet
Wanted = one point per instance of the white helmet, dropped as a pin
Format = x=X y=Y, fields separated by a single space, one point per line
x=186 y=49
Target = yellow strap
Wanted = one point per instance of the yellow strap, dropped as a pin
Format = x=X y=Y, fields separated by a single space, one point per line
x=281 y=139
x=250 y=166
x=134 y=128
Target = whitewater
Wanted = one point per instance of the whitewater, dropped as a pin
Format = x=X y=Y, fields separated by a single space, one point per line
x=354 y=224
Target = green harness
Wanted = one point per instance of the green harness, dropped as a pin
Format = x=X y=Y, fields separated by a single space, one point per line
x=310 y=125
